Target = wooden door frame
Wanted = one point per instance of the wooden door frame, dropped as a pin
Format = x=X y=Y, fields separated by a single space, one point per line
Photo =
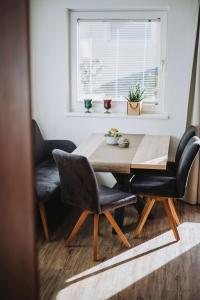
x=18 y=260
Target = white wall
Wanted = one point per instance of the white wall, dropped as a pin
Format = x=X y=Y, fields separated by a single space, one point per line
x=49 y=53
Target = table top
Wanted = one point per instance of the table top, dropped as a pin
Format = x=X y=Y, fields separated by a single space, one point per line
x=144 y=152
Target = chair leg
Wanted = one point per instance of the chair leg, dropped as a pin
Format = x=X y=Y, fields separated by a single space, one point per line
x=99 y=232
x=117 y=228
x=78 y=225
x=95 y=236
x=44 y=220
x=171 y=219
x=173 y=210
x=146 y=211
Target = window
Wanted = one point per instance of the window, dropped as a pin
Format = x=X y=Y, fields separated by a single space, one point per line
x=113 y=51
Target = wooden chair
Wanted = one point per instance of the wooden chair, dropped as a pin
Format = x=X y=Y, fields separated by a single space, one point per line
x=79 y=188
x=165 y=187
x=171 y=165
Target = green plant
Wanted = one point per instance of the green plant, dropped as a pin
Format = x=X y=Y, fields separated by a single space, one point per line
x=113 y=132
x=135 y=94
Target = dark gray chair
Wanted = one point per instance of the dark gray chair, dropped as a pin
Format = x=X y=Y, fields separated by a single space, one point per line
x=172 y=166
x=165 y=187
x=79 y=188
x=47 y=182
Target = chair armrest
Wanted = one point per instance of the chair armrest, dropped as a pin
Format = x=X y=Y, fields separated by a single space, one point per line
x=64 y=145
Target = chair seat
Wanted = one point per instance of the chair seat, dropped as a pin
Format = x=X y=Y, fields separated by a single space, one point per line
x=164 y=186
x=47 y=181
x=111 y=198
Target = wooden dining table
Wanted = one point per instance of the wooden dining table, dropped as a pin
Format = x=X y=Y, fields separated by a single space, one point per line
x=144 y=152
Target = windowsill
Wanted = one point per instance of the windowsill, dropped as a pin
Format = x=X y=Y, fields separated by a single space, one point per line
x=145 y=115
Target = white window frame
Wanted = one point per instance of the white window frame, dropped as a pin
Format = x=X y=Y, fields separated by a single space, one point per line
x=74 y=16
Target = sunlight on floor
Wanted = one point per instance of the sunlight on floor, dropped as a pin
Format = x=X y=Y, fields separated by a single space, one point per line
x=130 y=266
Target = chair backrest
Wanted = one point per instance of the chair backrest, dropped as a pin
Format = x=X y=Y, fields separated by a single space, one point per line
x=38 y=144
x=185 y=164
x=188 y=134
x=78 y=182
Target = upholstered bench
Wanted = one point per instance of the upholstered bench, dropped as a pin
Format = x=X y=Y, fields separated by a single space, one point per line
x=47 y=182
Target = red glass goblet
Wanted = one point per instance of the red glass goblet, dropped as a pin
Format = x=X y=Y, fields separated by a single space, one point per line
x=107 y=105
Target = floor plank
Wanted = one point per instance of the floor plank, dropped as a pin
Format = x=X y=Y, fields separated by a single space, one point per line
x=156 y=267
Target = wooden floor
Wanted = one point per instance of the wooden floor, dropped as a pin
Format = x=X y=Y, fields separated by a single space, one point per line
x=154 y=268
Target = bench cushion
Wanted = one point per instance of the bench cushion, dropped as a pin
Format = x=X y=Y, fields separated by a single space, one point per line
x=47 y=181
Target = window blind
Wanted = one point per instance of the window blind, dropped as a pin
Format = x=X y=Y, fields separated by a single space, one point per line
x=114 y=55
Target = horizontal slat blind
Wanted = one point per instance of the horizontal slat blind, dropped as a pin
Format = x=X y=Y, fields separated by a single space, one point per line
x=114 y=55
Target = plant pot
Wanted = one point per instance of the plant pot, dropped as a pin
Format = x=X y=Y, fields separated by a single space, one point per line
x=110 y=140
x=134 y=108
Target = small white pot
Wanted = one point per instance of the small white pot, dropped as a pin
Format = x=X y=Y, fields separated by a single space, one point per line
x=112 y=140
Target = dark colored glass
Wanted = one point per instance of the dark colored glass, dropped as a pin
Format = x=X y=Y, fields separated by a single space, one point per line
x=88 y=104
x=107 y=105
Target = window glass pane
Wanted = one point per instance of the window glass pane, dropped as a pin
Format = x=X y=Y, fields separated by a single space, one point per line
x=115 y=55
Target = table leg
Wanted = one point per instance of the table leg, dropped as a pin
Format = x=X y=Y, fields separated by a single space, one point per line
x=119 y=218
x=123 y=185
x=140 y=204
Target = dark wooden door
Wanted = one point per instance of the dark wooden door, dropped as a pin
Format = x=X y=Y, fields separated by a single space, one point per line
x=17 y=236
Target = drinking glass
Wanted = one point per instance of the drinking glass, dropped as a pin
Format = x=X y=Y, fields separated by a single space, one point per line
x=88 y=104
x=107 y=105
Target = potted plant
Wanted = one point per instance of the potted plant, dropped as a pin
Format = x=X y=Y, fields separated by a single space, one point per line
x=112 y=136
x=135 y=97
